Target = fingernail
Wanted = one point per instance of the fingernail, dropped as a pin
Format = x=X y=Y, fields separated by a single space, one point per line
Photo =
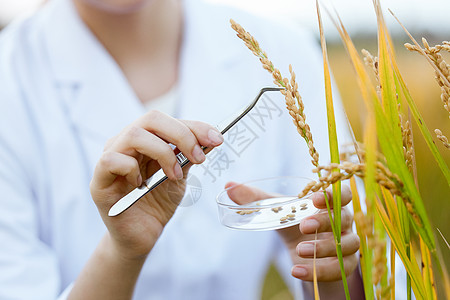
x=177 y=170
x=215 y=137
x=139 y=179
x=309 y=225
x=305 y=249
x=198 y=154
x=299 y=271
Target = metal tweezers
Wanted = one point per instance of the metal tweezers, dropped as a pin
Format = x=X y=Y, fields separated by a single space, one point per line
x=159 y=177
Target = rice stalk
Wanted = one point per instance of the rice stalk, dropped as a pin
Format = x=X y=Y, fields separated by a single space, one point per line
x=442 y=236
x=392 y=264
x=427 y=272
x=364 y=230
x=379 y=277
x=316 y=285
x=296 y=110
x=334 y=154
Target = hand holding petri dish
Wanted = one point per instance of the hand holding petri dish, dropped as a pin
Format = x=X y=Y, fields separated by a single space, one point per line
x=265 y=204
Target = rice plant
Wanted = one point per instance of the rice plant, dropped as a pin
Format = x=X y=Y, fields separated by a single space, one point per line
x=385 y=159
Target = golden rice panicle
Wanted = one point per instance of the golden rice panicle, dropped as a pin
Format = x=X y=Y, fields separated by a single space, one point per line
x=366 y=224
x=372 y=62
x=444 y=83
x=442 y=138
x=445 y=46
x=253 y=45
x=300 y=118
x=383 y=176
x=249 y=41
x=379 y=260
x=407 y=136
x=294 y=102
x=441 y=65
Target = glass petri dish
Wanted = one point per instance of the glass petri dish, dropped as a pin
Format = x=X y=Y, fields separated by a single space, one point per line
x=270 y=203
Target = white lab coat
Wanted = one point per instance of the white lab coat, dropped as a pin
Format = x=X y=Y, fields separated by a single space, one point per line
x=62 y=96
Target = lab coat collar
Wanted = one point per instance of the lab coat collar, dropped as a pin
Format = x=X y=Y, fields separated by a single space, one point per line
x=95 y=92
x=100 y=98
x=210 y=53
x=74 y=51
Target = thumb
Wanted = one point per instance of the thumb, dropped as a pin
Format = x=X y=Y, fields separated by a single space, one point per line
x=244 y=194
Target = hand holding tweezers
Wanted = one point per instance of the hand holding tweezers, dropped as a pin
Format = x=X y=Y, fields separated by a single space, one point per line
x=159 y=177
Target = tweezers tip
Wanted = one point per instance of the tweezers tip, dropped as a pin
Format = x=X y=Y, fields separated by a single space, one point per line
x=113 y=211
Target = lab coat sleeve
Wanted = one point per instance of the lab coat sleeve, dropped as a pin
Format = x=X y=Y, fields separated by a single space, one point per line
x=28 y=266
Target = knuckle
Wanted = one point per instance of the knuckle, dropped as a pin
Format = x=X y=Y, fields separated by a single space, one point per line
x=356 y=242
x=107 y=159
x=319 y=249
x=153 y=115
x=134 y=166
x=193 y=123
x=324 y=222
x=108 y=143
x=202 y=127
x=165 y=155
x=349 y=192
x=347 y=217
x=350 y=264
x=322 y=273
x=184 y=137
x=330 y=248
x=133 y=132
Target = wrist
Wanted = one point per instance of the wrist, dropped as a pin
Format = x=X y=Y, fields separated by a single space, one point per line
x=112 y=250
x=109 y=274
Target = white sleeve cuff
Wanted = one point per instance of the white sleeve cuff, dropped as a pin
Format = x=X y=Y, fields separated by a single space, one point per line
x=66 y=292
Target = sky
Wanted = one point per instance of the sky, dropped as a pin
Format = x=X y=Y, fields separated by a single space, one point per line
x=432 y=16
x=358 y=15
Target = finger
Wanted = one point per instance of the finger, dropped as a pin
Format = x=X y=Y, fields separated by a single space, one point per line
x=136 y=139
x=113 y=164
x=319 y=197
x=321 y=222
x=176 y=132
x=108 y=143
x=327 y=269
x=327 y=247
x=206 y=134
x=243 y=194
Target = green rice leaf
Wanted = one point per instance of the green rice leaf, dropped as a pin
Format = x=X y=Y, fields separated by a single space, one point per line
x=386 y=77
x=387 y=140
x=411 y=268
x=364 y=250
x=334 y=152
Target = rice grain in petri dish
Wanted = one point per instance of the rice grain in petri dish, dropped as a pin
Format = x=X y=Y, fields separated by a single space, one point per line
x=271 y=203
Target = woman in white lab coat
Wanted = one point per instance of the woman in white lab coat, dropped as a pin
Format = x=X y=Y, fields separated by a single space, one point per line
x=72 y=77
